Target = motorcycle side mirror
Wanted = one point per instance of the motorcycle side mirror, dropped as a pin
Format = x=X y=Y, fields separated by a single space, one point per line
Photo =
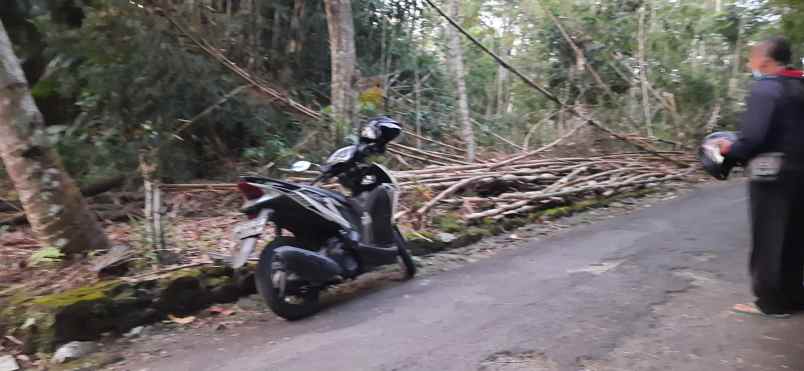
x=300 y=166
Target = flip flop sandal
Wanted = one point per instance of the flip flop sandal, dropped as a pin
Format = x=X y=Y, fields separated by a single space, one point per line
x=753 y=310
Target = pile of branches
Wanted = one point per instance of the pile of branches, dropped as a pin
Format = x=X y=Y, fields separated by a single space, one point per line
x=521 y=185
x=481 y=191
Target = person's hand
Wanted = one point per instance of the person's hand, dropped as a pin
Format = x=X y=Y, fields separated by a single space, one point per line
x=724 y=146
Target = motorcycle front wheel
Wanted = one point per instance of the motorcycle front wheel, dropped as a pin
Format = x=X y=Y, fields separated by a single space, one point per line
x=285 y=296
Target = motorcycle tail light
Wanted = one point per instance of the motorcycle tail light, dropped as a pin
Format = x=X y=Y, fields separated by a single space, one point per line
x=249 y=191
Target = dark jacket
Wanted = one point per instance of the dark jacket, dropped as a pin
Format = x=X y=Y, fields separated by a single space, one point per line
x=773 y=121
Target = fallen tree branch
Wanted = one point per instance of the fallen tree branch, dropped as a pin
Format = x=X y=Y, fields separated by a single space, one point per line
x=571 y=191
x=455 y=187
x=7 y=205
x=89 y=190
x=154 y=275
x=561 y=182
x=103 y=185
x=15 y=219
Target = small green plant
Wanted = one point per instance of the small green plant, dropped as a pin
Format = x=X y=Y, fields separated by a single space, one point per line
x=450 y=223
x=48 y=254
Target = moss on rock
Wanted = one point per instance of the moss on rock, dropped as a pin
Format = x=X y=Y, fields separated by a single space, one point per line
x=85 y=313
x=89 y=293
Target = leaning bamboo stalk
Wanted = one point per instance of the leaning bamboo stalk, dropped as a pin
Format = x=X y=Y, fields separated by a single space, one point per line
x=433 y=141
x=438 y=157
x=436 y=153
x=415 y=157
x=537 y=151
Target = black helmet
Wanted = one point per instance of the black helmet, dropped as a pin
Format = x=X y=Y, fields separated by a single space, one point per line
x=380 y=130
x=709 y=154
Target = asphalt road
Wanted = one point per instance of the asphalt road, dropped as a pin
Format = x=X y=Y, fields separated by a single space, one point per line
x=647 y=291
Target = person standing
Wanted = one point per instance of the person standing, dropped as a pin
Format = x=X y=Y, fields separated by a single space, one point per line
x=771 y=143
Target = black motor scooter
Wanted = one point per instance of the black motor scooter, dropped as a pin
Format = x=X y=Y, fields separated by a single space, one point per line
x=335 y=237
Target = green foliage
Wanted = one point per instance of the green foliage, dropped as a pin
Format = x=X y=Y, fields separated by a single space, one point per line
x=119 y=79
x=46 y=255
x=792 y=24
x=133 y=79
x=450 y=223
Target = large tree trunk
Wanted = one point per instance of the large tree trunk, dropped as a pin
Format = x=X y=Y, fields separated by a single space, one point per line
x=457 y=69
x=344 y=60
x=53 y=203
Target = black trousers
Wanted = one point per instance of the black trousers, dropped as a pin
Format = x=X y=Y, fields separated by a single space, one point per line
x=777 y=257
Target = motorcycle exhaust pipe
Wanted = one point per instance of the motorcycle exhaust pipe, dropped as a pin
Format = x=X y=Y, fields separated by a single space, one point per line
x=308 y=265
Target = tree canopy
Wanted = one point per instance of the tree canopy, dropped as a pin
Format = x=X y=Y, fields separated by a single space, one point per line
x=113 y=76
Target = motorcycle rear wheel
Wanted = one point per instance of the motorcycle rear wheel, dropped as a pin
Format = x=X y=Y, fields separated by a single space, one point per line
x=291 y=308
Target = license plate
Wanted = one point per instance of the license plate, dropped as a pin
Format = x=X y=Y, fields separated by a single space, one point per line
x=250 y=228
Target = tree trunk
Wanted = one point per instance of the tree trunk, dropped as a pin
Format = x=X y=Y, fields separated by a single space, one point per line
x=417 y=85
x=735 y=72
x=296 y=37
x=276 y=29
x=256 y=34
x=717 y=5
x=154 y=233
x=643 y=71
x=52 y=201
x=503 y=76
x=344 y=59
x=503 y=92
x=456 y=60
x=417 y=89
x=227 y=28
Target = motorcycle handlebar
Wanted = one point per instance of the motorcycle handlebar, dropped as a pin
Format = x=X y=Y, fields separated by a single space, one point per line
x=318 y=179
x=363 y=151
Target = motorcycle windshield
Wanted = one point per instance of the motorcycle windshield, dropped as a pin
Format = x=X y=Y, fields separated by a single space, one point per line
x=342 y=155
